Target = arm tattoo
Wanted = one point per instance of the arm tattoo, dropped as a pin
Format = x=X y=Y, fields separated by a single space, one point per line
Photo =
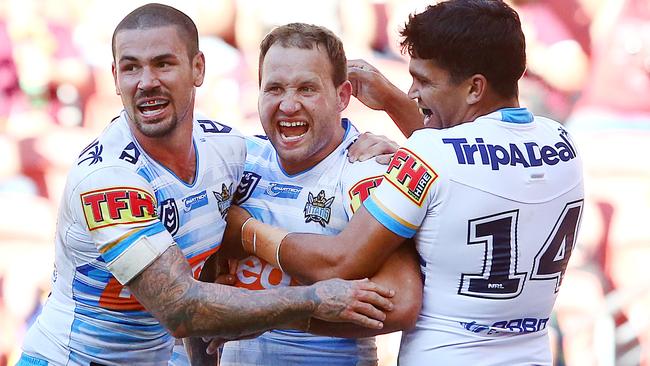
x=191 y=308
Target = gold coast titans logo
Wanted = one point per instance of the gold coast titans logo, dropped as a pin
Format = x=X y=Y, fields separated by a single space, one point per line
x=223 y=199
x=319 y=208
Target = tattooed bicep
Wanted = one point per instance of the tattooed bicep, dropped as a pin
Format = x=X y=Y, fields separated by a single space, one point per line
x=161 y=285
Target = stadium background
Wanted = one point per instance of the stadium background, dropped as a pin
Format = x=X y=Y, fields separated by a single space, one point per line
x=589 y=66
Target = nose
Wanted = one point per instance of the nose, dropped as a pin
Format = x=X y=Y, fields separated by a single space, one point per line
x=413 y=92
x=148 y=79
x=290 y=104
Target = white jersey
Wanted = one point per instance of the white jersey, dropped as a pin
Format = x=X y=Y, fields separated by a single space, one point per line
x=320 y=200
x=120 y=211
x=496 y=205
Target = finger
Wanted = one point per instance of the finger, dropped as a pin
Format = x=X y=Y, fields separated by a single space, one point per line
x=355 y=84
x=366 y=284
x=225 y=279
x=357 y=63
x=384 y=159
x=365 y=156
x=232 y=266
x=214 y=345
x=359 y=147
x=362 y=320
x=373 y=299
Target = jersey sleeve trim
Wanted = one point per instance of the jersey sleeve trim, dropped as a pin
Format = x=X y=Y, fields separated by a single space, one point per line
x=128 y=262
x=387 y=218
x=112 y=250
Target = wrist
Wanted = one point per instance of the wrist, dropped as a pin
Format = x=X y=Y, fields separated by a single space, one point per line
x=263 y=240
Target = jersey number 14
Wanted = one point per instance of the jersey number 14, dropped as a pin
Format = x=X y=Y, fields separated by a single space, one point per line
x=498 y=233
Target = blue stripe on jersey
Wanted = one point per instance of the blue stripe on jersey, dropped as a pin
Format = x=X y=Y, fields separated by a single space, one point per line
x=146 y=174
x=90 y=283
x=516 y=115
x=82 y=327
x=190 y=240
x=26 y=360
x=123 y=245
x=387 y=220
x=131 y=321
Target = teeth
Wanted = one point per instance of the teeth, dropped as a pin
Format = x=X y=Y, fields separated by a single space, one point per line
x=151 y=103
x=292 y=138
x=292 y=124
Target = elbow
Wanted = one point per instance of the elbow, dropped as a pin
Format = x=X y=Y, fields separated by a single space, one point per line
x=172 y=322
x=407 y=308
x=410 y=314
x=403 y=317
x=179 y=333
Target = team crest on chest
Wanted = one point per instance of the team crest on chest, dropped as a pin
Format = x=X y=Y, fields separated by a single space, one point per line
x=169 y=215
x=318 y=208
x=223 y=199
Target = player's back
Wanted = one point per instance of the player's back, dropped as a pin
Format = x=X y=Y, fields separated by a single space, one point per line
x=502 y=215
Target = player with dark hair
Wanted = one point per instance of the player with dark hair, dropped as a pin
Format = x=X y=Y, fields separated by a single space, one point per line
x=492 y=194
x=144 y=207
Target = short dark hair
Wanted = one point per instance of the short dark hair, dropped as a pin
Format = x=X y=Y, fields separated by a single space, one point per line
x=308 y=36
x=155 y=15
x=467 y=37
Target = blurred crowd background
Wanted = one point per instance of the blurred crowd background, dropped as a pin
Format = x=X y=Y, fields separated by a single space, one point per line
x=588 y=67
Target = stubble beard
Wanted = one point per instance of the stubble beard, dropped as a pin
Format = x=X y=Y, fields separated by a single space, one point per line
x=156 y=128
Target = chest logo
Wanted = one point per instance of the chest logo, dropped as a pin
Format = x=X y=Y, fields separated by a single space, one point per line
x=169 y=215
x=246 y=187
x=318 y=208
x=224 y=198
x=283 y=191
x=195 y=201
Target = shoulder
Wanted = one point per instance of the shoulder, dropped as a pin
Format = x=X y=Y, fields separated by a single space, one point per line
x=114 y=148
x=223 y=140
x=214 y=130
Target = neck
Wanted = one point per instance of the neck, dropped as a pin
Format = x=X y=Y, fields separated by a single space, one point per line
x=175 y=152
x=492 y=104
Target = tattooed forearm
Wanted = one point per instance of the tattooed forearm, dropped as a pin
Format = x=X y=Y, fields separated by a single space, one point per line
x=191 y=308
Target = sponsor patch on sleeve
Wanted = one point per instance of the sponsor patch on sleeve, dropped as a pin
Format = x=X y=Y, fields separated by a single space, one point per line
x=411 y=175
x=118 y=205
x=361 y=190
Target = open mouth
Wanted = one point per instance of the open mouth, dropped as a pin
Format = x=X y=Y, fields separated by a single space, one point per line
x=427 y=115
x=293 y=131
x=152 y=107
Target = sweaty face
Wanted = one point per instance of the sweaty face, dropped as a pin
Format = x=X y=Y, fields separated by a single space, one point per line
x=300 y=107
x=155 y=79
x=443 y=103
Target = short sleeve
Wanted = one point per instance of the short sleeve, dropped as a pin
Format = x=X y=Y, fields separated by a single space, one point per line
x=401 y=202
x=358 y=182
x=118 y=208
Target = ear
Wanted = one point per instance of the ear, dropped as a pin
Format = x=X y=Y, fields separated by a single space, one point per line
x=344 y=91
x=477 y=89
x=198 y=68
x=114 y=71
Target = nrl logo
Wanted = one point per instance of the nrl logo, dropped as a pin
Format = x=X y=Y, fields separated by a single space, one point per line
x=319 y=208
x=169 y=215
x=223 y=199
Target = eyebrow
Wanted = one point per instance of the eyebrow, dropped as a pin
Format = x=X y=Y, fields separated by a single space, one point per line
x=164 y=56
